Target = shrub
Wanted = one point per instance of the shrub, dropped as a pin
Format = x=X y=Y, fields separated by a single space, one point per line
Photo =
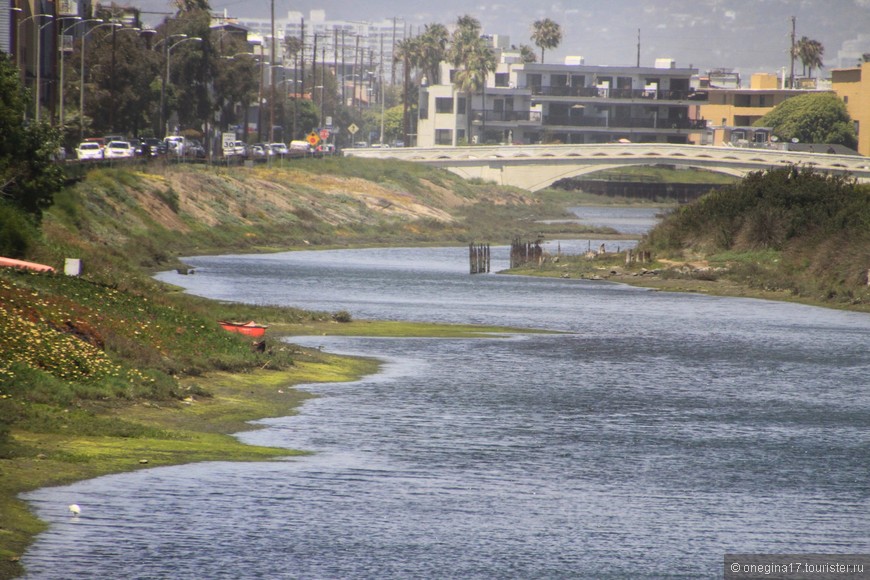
x=342 y=316
x=17 y=232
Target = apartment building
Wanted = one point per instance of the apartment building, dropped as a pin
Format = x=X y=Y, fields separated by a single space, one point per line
x=731 y=113
x=853 y=86
x=568 y=102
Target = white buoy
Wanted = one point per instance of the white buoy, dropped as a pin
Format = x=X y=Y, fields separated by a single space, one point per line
x=75 y=509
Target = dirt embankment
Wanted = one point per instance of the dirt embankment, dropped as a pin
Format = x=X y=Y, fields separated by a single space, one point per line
x=178 y=198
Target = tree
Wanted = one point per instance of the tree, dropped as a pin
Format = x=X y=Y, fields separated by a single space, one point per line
x=474 y=59
x=28 y=177
x=527 y=54
x=810 y=53
x=546 y=34
x=235 y=81
x=408 y=52
x=119 y=82
x=432 y=50
x=812 y=118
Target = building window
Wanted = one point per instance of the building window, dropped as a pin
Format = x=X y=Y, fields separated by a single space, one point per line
x=846 y=99
x=857 y=125
x=444 y=105
x=534 y=81
x=460 y=106
x=502 y=79
x=443 y=137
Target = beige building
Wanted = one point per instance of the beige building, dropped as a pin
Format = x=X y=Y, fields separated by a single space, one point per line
x=731 y=113
x=853 y=86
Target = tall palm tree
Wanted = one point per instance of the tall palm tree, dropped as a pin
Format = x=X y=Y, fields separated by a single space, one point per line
x=810 y=53
x=546 y=34
x=408 y=53
x=433 y=50
x=474 y=58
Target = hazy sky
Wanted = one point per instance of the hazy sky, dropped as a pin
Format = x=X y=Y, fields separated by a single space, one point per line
x=748 y=35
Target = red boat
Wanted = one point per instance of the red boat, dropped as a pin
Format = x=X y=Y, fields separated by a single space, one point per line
x=12 y=263
x=247 y=328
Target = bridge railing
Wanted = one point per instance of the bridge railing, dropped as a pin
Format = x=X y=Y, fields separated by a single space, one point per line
x=624 y=122
x=506 y=116
x=608 y=93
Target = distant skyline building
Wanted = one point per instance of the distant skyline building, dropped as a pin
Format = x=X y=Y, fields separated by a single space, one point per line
x=346 y=45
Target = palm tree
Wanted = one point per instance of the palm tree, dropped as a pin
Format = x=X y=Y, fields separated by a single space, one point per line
x=474 y=59
x=810 y=53
x=408 y=52
x=546 y=34
x=527 y=54
x=432 y=50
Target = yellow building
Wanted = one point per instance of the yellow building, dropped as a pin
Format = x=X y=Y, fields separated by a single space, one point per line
x=729 y=109
x=853 y=86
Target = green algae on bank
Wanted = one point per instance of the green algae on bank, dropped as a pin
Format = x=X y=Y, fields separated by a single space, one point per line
x=196 y=429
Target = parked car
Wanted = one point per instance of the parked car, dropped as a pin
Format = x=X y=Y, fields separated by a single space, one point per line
x=300 y=147
x=239 y=148
x=174 y=144
x=89 y=150
x=194 y=148
x=279 y=149
x=153 y=147
x=136 y=144
x=118 y=150
x=258 y=151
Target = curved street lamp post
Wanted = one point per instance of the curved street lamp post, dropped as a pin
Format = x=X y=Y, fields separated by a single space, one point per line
x=168 y=50
x=82 y=76
x=38 y=44
x=62 y=55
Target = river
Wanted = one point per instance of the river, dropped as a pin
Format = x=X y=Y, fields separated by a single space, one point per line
x=653 y=434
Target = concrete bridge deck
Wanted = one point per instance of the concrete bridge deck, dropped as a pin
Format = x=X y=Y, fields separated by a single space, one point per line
x=535 y=167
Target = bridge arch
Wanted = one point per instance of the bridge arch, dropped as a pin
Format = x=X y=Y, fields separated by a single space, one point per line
x=535 y=167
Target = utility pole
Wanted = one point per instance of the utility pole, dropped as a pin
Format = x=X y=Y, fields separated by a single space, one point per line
x=272 y=79
x=638 y=48
x=791 y=54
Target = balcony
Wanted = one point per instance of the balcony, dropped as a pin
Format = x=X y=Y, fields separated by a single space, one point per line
x=511 y=117
x=599 y=93
x=624 y=122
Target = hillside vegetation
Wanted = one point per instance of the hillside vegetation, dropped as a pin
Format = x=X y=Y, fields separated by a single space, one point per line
x=790 y=230
x=112 y=371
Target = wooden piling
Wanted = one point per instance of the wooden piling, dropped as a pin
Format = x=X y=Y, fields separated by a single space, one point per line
x=478 y=258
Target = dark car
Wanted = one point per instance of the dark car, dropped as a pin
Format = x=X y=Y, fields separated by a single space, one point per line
x=152 y=147
x=194 y=148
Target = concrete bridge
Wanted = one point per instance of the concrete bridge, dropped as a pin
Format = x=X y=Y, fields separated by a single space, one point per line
x=535 y=167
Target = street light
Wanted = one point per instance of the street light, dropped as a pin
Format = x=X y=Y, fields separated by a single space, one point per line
x=168 y=59
x=38 y=104
x=17 y=48
x=165 y=42
x=82 y=77
x=62 y=54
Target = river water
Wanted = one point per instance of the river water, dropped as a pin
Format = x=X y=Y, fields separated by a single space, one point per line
x=651 y=436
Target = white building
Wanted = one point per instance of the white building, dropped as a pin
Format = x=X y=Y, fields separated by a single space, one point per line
x=563 y=103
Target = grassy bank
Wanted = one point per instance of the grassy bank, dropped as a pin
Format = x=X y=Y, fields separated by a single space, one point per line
x=786 y=234
x=112 y=371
